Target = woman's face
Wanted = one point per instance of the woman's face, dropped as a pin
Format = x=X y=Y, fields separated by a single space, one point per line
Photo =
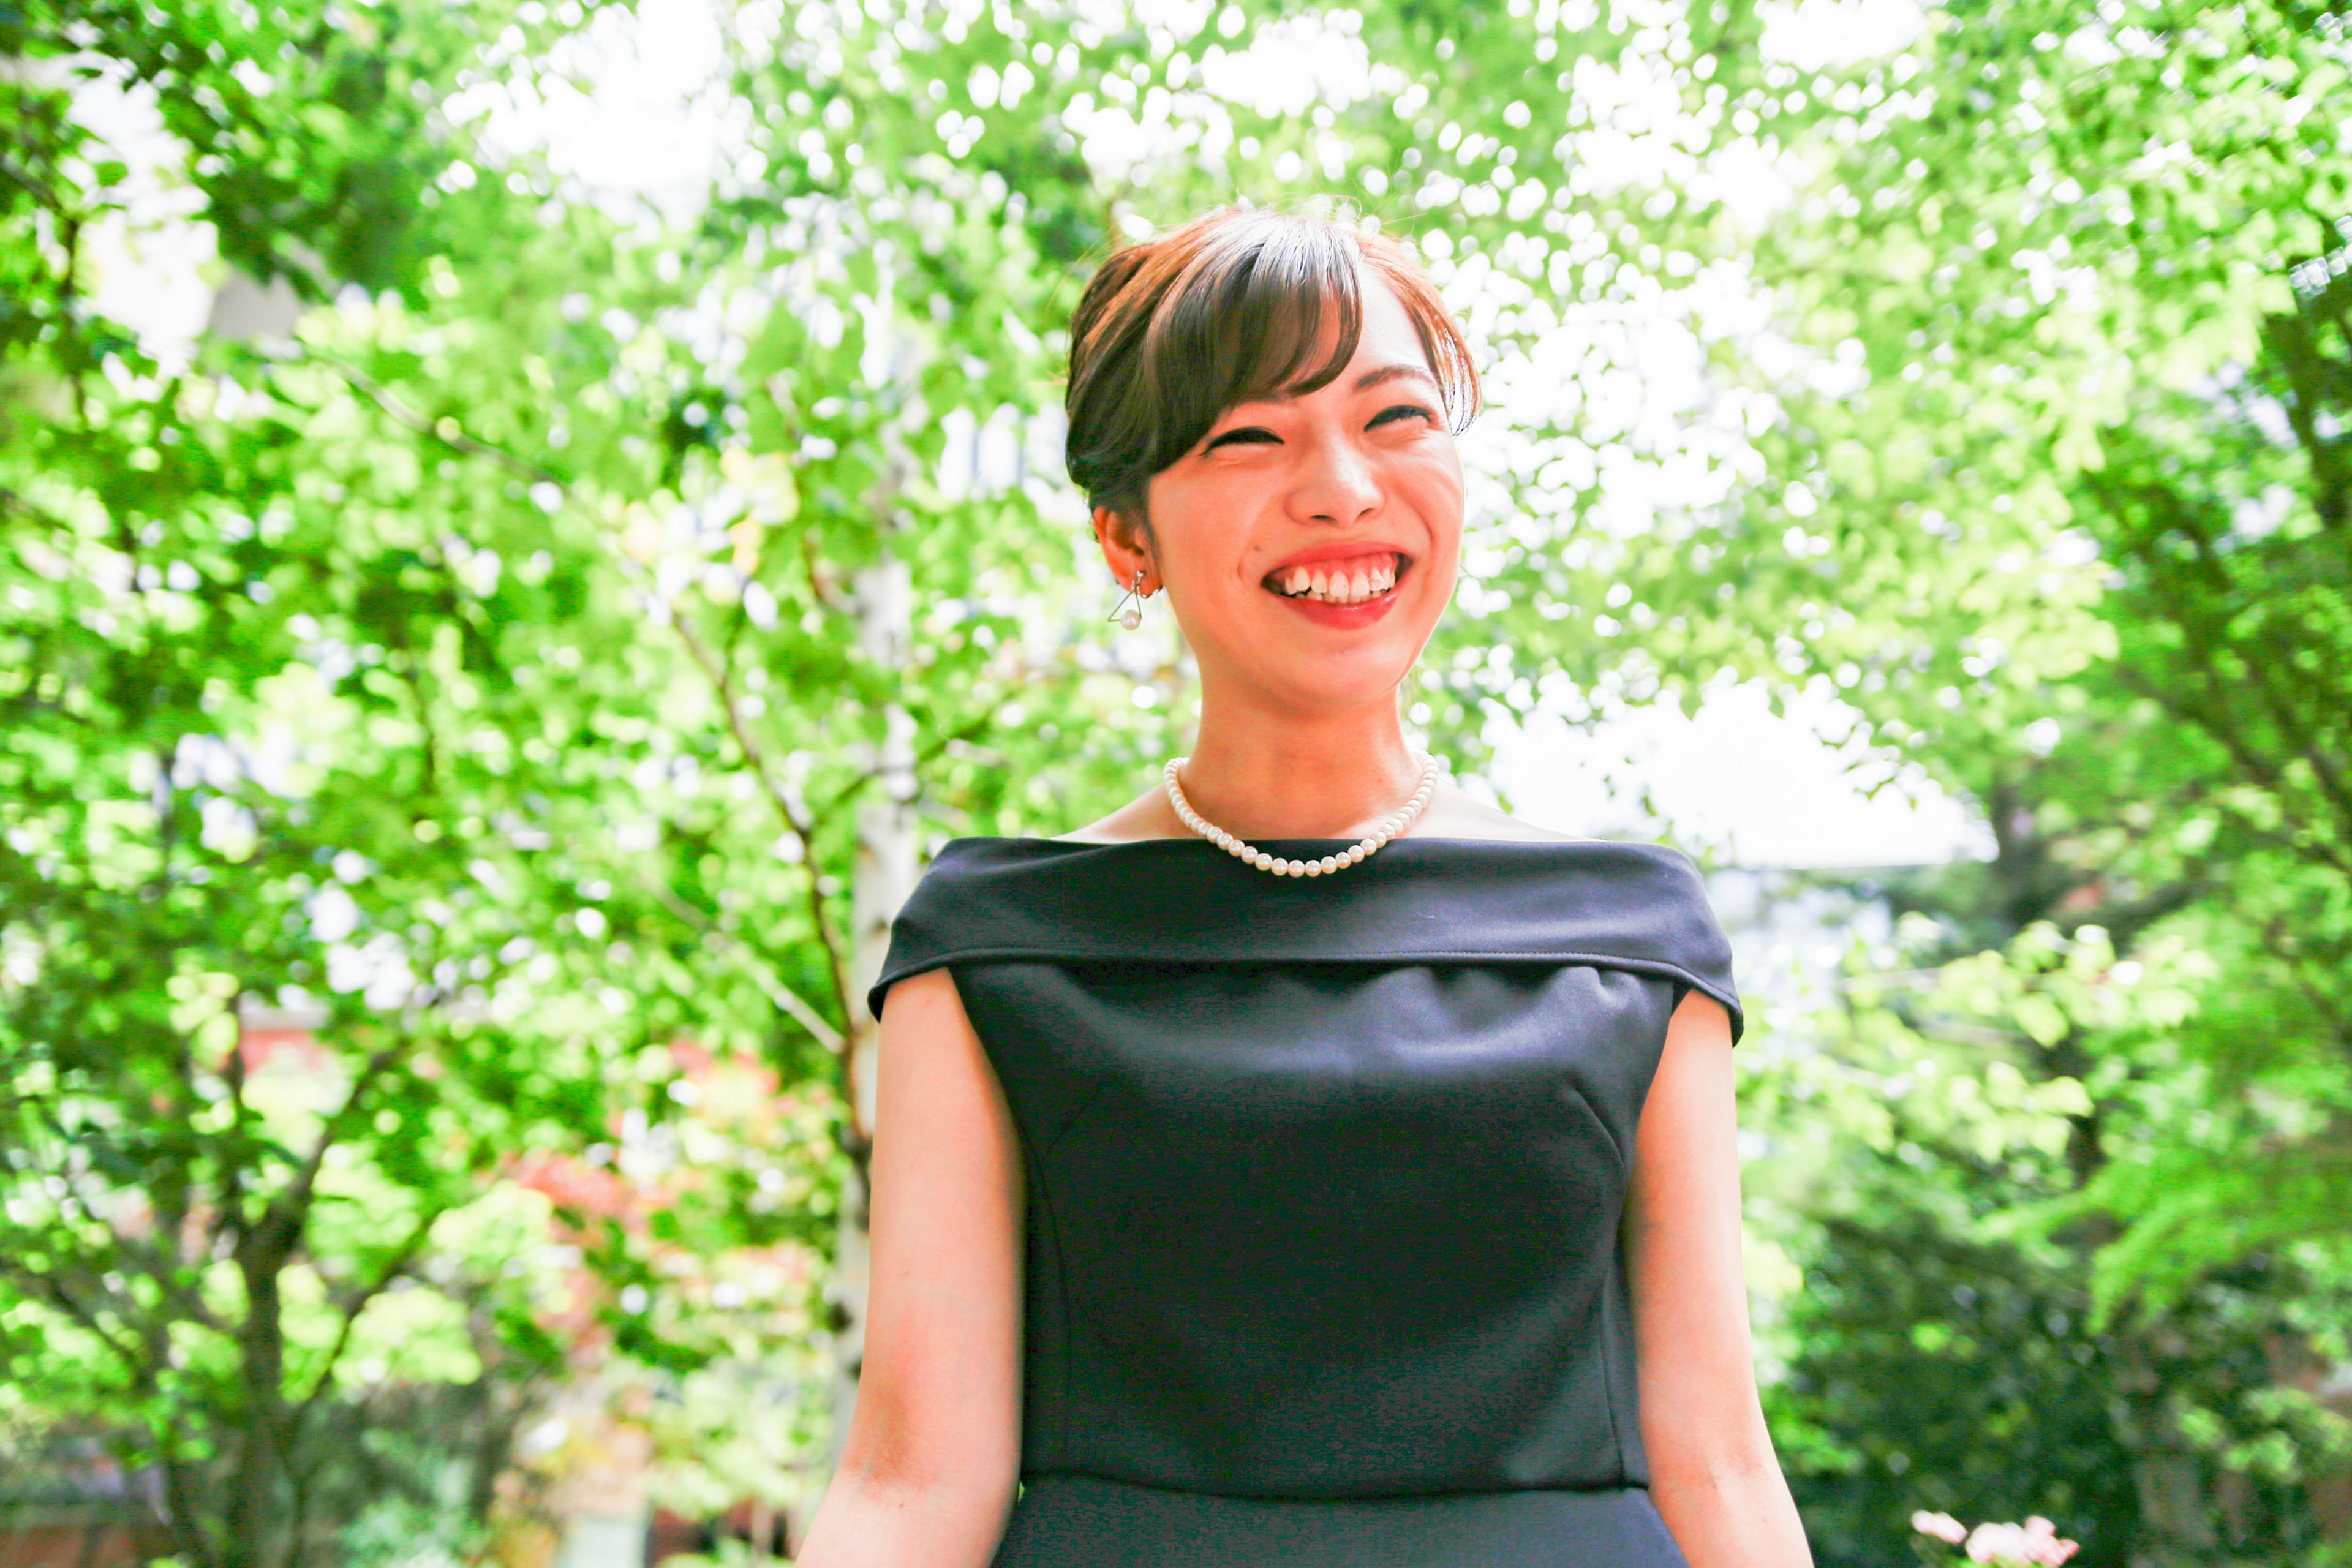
x=1308 y=544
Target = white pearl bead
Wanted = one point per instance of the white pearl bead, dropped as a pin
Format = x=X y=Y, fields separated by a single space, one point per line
x=1354 y=854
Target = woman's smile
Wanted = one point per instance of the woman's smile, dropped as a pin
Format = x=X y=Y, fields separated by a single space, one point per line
x=1340 y=585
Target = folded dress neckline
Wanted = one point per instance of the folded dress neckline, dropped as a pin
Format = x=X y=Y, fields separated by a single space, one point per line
x=1640 y=908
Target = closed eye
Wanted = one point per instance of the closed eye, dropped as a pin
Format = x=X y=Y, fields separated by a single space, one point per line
x=1246 y=435
x=1390 y=416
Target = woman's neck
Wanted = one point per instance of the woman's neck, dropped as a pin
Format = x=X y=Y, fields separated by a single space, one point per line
x=1286 y=775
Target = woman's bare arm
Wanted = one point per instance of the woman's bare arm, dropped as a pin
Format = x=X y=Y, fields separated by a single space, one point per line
x=1712 y=1470
x=934 y=1448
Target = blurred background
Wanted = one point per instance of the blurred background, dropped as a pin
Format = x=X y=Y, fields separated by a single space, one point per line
x=526 y=524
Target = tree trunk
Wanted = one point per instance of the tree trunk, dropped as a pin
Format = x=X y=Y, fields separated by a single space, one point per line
x=2175 y=1505
x=253 y=1506
x=2296 y=1363
x=886 y=870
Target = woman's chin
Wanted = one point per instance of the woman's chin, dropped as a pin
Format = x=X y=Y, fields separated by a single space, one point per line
x=1309 y=657
x=1337 y=680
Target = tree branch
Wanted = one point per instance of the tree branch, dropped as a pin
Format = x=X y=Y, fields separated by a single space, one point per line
x=446 y=431
x=836 y=969
x=787 y=1000
x=2258 y=675
x=180 y=1496
x=929 y=755
x=2255 y=765
x=141 y=1375
x=282 y=1222
x=394 y=1268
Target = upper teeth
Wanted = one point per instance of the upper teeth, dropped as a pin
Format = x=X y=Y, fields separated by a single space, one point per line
x=1342 y=582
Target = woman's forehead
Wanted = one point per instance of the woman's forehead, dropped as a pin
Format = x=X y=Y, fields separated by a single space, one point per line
x=1388 y=329
x=1385 y=335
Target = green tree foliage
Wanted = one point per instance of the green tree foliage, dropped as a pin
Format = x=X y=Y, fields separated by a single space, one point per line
x=1950 y=1343
x=2083 y=550
x=285 y=729
x=543 y=665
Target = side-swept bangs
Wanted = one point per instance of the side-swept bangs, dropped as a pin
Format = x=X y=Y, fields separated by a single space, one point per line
x=1230 y=308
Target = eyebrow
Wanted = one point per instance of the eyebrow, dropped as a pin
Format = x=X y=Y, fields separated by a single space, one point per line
x=1386 y=372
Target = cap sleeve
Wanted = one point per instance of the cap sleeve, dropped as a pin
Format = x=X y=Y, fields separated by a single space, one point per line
x=924 y=934
x=1687 y=929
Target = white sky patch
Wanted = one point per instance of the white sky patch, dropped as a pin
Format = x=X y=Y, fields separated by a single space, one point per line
x=1638 y=129
x=1759 y=790
x=1821 y=35
x=377 y=969
x=1751 y=182
x=1293 y=65
x=635 y=108
x=1607 y=410
x=146 y=263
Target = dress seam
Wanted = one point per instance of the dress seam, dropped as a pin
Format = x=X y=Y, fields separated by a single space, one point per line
x=1665 y=969
x=1609 y=1292
x=1070 y=1122
x=1608 y=1134
x=1424 y=1494
x=1042 y=1193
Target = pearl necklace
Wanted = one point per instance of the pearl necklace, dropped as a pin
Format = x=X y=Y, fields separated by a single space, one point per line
x=1390 y=825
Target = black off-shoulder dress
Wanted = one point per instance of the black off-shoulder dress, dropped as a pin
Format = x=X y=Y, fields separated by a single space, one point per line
x=1324 y=1181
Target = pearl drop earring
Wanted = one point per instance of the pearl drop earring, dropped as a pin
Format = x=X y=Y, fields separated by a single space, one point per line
x=1128 y=611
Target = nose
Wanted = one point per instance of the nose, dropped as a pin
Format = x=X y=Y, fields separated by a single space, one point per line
x=1334 y=484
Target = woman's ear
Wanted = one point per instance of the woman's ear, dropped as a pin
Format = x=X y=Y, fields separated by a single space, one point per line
x=1127 y=548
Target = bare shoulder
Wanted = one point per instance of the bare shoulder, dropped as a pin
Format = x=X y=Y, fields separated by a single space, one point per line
x=1147 y=815
x=1455 y=813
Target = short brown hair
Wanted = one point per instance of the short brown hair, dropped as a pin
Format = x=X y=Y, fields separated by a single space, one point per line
x=1173 y=331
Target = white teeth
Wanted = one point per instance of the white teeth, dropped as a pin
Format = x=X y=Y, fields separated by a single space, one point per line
x=1338 y=587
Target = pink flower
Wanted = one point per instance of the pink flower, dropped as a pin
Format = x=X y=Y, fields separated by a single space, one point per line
x=2033 y=1544
x=1942 y=1526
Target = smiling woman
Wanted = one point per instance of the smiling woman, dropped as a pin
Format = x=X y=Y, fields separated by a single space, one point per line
x=1269 y=402
x=1305 y=1165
